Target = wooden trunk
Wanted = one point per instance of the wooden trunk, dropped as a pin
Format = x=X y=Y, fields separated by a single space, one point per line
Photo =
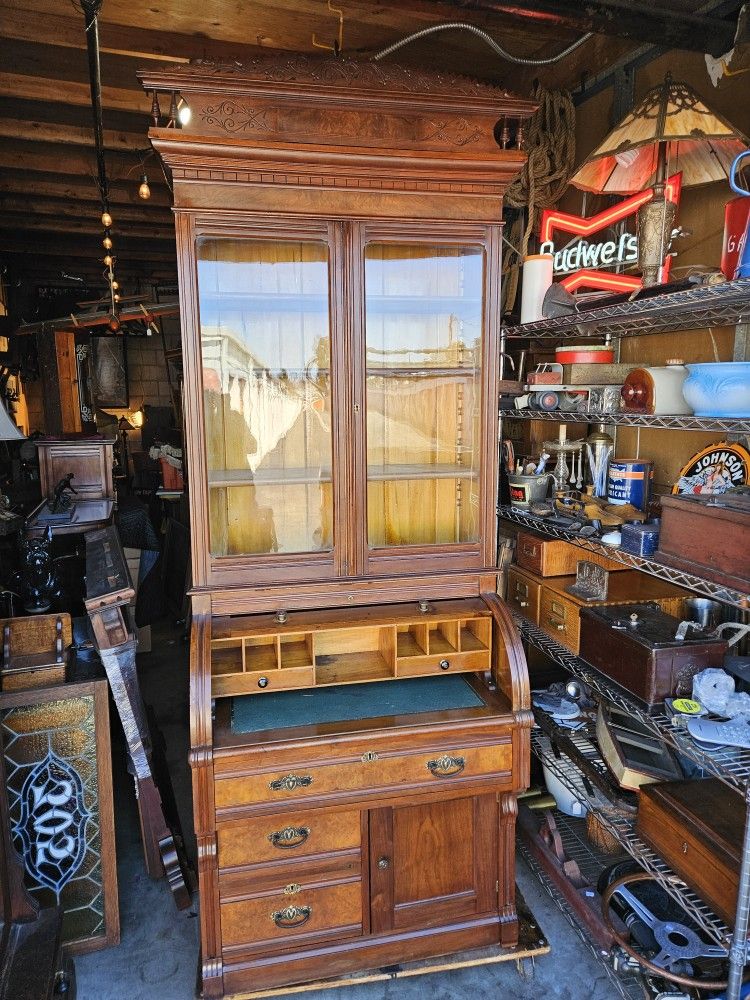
x=642 y=654
x=709 y=536
x=697 y=828
x=555 y=557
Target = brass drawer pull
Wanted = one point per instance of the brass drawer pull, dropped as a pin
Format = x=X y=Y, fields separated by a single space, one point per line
x=446 y=766
x=560 y=626
x=290 y=782
x=289 y=837
x=291 y=917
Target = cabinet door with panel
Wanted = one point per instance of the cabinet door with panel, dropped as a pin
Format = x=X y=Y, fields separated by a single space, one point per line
x=433 y=864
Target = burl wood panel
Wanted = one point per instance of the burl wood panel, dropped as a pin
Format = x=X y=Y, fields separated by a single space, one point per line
x=287 y=837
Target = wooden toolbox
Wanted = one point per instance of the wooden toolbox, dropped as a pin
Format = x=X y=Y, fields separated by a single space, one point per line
x=559 y=611
x=707 y=535
x=555 y=557
x=635 y=646
x=697 y=827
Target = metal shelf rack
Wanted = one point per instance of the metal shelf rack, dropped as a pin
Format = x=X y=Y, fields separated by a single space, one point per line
x=732 y=766
x=623 y=831
x=718 y=592
x=628 y=984
x=707 y=305
x=677 y=422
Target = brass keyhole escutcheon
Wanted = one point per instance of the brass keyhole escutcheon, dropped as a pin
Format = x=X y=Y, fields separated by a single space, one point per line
x=292 y=889
x=384 y=863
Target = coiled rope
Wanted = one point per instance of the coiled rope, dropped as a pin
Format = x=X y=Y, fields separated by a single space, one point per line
x=551 y=147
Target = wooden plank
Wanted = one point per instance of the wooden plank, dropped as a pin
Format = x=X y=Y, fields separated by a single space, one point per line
x=43 y=88
x=89 y=222
x=143 y=212
x=51 y=184
x=47 y=158
x=69 y=135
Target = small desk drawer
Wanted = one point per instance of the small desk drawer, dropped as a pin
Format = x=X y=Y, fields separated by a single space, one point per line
x=282 y=916
x=376 y=771
x=523 y=593
x=448 y=663
x=555 y=557
x=559 y=618
x=259 y=681
x=288 y=836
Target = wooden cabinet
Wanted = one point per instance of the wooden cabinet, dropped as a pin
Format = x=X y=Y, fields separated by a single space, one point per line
x=339 y=234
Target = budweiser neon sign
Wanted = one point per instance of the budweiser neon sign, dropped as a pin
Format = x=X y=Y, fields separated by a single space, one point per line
x=583 y=262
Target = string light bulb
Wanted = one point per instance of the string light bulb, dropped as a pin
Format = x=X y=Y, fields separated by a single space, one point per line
x=116 y=297
x=113 y=322
x=115 y=284
x=184 y=113
x=107 y=243
x=107 y=261
x=106 y=219
x=144 y=191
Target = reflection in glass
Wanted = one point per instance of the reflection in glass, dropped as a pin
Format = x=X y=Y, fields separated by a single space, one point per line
x=267 y=394
x=423 y=311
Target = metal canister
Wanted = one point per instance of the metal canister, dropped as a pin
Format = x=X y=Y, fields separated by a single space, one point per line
x=629 y=481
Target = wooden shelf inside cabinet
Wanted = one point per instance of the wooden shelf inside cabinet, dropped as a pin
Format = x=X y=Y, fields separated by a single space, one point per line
x=395 y=645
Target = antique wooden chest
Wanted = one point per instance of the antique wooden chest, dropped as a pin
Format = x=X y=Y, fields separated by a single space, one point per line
x=707 y=535
x=696 y=827
x=635 y=645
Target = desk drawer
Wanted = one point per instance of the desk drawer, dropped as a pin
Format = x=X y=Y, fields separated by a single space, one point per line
x=523 y=593
x=291 y=913
x=433 y=768
x=289 y=836
x=448 y=663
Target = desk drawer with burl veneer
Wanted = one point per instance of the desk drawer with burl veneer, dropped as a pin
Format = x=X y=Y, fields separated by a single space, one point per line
x=364 y=770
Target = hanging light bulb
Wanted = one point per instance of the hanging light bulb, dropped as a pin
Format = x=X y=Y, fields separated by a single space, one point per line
x=115 y=284
x=106 y=219
x=144 y=191
x=113 y=322
x=116 y=297
x=107 y=243
x=184 y=114
x=107 y=261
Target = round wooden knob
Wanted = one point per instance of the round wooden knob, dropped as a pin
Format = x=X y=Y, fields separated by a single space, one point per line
x=262 y=682
x=444 y=664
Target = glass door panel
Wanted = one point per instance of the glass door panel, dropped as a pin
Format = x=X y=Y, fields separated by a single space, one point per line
x=265 y=338
x=423 y=343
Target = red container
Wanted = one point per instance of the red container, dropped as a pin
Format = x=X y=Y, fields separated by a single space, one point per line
x=736 y=215
x=171 y=477
x=584 y=354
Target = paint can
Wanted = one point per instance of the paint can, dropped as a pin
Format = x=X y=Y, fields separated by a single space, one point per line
x=629 y=481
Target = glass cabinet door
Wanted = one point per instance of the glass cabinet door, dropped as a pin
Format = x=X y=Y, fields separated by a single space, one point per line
x=423 y=348
x=266 y=348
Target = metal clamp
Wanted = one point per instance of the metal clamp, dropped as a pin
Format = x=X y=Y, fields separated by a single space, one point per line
x=446 y=766
x=291 y=917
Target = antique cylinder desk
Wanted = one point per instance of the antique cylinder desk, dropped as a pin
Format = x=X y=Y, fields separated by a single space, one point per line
x=339 y=233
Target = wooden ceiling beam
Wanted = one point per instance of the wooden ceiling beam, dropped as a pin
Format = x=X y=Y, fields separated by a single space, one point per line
x=144 y=213
x=47 y=158
x=70 y=135
x=77 y=249
x=89 y=224
x=45 y=88
x=50 y=184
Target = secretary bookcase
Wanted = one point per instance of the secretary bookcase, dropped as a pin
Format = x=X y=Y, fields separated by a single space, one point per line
x=338 y=232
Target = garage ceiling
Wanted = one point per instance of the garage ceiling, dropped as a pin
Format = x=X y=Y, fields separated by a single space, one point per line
x=49 y=205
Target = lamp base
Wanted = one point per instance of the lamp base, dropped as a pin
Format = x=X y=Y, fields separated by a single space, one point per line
x=655 y=223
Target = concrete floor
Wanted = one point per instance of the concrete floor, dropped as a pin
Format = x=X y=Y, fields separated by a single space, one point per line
x=157 y=956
